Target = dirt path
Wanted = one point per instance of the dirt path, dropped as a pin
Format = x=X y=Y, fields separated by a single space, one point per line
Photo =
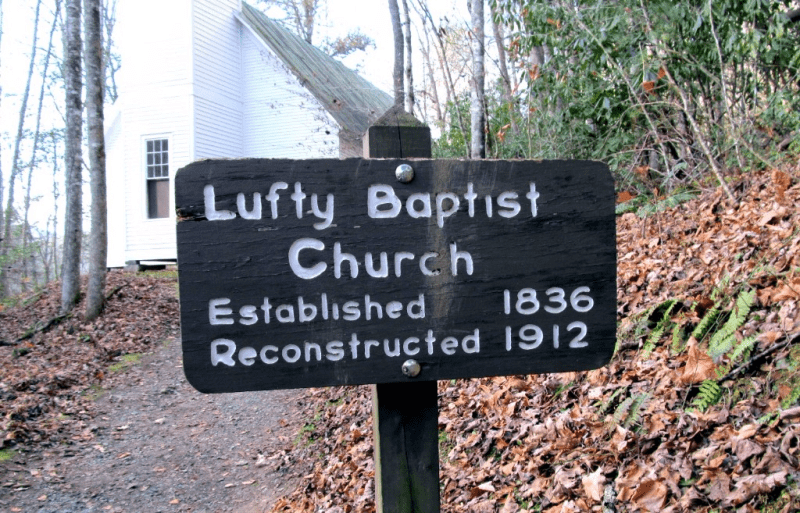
x=156 y=444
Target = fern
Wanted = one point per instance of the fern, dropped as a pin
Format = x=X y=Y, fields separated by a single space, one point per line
x=742 y=349
x=792 y=398
x=769 y=418
x=639 y=402
x=719 y=290
x=660 y=327
x=629 y=411
x=708 y=395
x=605 y=405
x=630 y=205
x=705 y=325
x=724 y=339
x=677 y=338
x=739 y=352
x=665 y=204
x=621 y=412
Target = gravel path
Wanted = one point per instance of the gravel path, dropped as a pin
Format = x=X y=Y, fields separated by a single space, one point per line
x=156 y=444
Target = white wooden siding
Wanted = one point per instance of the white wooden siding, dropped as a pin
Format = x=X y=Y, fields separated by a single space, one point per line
x=281 y=118
x=196 y=75
x=153 y=40
x=217 y=79
x=115 y=186
x=156 y=101
x=152 y=239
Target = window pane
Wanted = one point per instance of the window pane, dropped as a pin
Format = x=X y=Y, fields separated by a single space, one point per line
x=157 y=199
x=157 y=173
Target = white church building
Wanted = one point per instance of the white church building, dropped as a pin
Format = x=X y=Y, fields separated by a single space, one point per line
x=205 y=79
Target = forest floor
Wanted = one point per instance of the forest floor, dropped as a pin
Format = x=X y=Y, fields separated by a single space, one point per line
x=99 y=417
x=697 y=411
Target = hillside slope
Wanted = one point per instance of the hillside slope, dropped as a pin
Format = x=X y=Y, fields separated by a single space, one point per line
x=698 y=410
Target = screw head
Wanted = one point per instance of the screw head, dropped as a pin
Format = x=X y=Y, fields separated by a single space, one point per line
x=411 y=368
x=404 y=173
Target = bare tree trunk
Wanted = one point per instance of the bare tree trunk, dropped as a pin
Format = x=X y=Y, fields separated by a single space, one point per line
x=499 y=41
x=15 y=170
x=450 y=89
x=109 y=64
x=44 y=253
x=95 y=293
x=36 y=136
x=505 y=78
x=433 y=88
x=477 y=118
x=71 y=261
x=409 y=85
x=397 y=71
x=687 y=109
x=56 y=195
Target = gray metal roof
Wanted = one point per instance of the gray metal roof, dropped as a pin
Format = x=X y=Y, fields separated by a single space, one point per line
x=351 y=100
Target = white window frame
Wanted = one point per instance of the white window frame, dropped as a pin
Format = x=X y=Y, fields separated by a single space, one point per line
x=145 y=178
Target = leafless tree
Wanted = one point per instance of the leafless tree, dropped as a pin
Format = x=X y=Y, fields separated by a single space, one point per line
x=302 y=14
x=36 y=138
x=111 y=61
x=476 y=109
x=397 y=71
x=70 y=274
x=15 y=168
x=502 y=66
x=409 y=81
x=439 y=36
x=56 y=195
x=95 y=293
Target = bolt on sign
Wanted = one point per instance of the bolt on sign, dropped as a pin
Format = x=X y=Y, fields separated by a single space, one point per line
x=308 y=273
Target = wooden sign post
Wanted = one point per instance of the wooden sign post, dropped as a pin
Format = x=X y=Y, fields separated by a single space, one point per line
x=396 y=272
x=405 y=416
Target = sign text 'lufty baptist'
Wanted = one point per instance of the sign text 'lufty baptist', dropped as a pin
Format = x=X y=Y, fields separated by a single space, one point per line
x=331 y=272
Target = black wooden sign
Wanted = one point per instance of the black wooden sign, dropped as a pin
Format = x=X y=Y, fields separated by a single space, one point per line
x=301 y=273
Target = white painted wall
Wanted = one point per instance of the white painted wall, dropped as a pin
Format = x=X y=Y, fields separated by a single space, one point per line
x=155 y=85
x=194 y=74
x=281 y=118
x=115 y=187
x=217 y=72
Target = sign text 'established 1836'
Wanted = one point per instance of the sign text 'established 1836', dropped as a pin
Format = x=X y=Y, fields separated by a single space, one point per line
x=301 y=273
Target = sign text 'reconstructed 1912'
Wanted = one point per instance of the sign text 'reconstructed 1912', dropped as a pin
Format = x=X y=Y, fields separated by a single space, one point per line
x=305 y=273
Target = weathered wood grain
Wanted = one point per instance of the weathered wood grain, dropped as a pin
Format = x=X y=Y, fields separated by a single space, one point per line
x=569 y=244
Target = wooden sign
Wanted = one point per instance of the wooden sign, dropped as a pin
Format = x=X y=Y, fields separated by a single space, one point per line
x=306 y=273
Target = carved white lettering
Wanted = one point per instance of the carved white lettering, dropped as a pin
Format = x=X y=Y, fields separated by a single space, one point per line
x=306 y=273
x=215 y=310
x=211 y=212
x=222 y=351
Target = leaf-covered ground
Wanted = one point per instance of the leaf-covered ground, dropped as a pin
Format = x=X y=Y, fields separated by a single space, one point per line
x=99 y=417
x=698 y=410
x=46 y=377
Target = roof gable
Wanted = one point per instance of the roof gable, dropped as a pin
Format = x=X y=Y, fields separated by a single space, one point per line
x=350 y=99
